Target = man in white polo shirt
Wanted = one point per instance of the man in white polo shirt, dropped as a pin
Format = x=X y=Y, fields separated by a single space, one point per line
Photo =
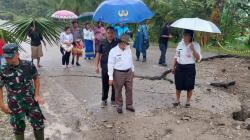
x=121 y=73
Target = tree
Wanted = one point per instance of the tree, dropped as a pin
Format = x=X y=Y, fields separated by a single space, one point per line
x=77 y=6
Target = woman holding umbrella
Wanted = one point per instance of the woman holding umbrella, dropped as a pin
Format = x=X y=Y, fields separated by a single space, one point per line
x=187 y=54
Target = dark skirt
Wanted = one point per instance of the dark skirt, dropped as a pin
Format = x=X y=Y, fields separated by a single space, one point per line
x=185 y=76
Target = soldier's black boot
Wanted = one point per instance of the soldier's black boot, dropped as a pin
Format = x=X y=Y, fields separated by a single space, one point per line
x=19 y=136
x=39 y=134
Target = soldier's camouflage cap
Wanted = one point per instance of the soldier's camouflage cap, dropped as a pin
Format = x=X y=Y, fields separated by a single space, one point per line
x=9 y=50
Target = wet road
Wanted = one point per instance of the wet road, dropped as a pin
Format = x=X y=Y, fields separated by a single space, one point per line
x=73 y=96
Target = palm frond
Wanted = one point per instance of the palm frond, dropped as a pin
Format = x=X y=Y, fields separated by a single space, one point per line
x=5 y=35
x=49 y=29
x=8 y=38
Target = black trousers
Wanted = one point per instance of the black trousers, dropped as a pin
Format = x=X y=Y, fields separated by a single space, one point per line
x=163 y=49
x=105 y=86
x=65 y=56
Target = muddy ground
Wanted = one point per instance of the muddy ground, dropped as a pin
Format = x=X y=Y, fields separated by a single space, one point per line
x=73 y=96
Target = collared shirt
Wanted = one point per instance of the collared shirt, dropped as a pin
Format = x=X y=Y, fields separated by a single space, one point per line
x=120 y=60
x=88 y=34
x=104 y=49
x=185 y=55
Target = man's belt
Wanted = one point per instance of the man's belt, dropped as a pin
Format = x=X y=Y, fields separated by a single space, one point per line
x=123 y=70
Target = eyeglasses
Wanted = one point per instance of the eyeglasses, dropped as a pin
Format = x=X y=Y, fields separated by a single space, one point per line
x=124 y=42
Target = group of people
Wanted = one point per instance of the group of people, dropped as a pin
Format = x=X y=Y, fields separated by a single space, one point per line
x=117 y=66
x=113 y=60
x=74 y=39
x=117 y=69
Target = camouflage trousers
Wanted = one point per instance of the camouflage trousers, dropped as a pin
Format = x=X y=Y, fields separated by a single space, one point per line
x=34 y=116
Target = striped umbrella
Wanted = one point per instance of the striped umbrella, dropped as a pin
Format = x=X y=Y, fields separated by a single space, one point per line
x=64 y=15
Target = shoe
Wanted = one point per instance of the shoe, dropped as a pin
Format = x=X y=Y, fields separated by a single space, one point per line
x=113 y=103
x=78 y=64
x=187 y=105
x=165 y=65
x=137 y=59
x=131 y=109
x=73 y=62
x=104 y=104
x=144 y=60
x=119 y=110
x=176 y=104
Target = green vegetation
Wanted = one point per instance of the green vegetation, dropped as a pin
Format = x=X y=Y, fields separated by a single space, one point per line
x=231 y=16
x=49 y=29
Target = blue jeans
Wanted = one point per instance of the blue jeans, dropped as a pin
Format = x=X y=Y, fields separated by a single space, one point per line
x=163 y=49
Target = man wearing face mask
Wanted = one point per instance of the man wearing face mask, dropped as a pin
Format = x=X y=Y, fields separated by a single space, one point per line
x=121 y=73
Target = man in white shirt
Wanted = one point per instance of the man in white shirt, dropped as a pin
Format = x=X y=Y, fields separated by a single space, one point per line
x=121 y=73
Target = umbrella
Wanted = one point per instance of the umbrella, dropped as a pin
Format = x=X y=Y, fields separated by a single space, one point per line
x=64 y=14
x=122 y=11
x=196 y=24
x=85 y=16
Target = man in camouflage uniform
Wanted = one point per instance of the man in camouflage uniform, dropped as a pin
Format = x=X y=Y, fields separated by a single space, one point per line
x=21 y=80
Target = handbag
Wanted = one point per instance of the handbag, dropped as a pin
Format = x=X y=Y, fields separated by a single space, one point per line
x=67 y=48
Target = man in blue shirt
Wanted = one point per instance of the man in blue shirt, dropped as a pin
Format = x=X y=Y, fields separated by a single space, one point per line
x=120 y=30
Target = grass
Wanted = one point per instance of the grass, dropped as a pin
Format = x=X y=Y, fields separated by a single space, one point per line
x=235 y=48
